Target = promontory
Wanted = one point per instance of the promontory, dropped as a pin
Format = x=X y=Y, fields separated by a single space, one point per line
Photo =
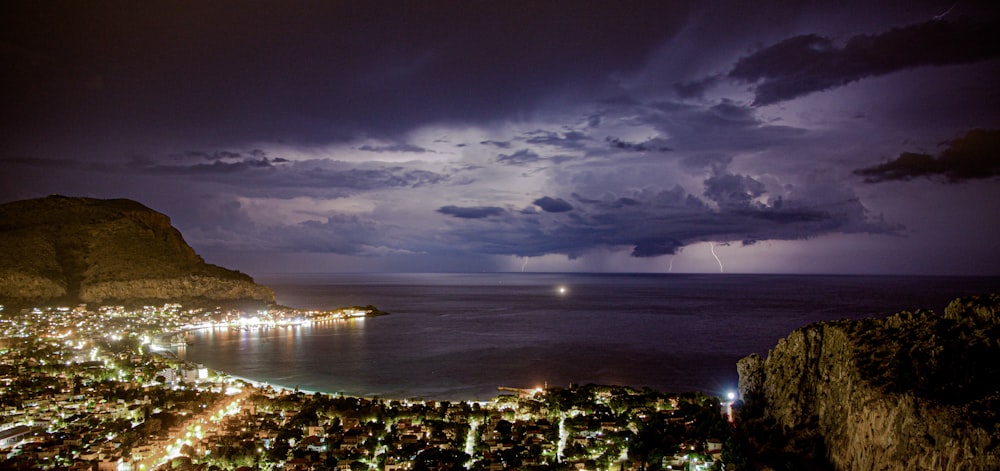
x=915 y=390
x=62 y=249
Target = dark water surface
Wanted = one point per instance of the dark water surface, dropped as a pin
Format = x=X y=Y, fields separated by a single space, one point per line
x=459 y=336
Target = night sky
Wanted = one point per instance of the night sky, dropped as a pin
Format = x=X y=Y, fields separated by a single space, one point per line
x=789 y=137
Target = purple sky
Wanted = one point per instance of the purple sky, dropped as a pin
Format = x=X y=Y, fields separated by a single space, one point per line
x=827 y=137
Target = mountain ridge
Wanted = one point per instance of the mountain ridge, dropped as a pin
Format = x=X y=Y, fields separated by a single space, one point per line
x=71 y=249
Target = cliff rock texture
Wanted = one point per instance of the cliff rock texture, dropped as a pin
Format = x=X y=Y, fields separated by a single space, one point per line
x=90 y=250
x=916 y=390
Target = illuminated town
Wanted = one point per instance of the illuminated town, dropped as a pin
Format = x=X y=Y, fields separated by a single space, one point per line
x=103 y=390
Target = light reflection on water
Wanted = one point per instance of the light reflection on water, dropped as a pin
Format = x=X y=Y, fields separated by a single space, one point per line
x=461 y=336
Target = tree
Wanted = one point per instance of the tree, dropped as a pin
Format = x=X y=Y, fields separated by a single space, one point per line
x=655 y=439
x=438 y=458
x=504 y=429
x=279 y=450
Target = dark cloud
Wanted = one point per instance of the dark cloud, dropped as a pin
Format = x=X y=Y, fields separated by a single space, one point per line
x=655 y=247
x=908 y=165
x=308 y=73
x=645 y=119
x=659 y=223
x=616 y=203
x=203 y=155
x=500 y=144
x=733 y=192
x=471 y=212
x=221 y=162
x=566 y=140
x=809 y=63
x=651 y=145
x=521 y=157
x=409 y=148
x=787 y=216
x=391 y=177
x=973 y=156
x=553 y=205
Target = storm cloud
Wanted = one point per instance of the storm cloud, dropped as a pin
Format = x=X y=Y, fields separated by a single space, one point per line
x=393 y=148
x=663 y=223
x=810 y=63
x=477 y=212
x=521 y=157
x=432 y=136
x=553 y=205
x=973 y=156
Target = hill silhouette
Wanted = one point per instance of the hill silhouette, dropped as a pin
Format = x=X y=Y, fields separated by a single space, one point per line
x=63 y=249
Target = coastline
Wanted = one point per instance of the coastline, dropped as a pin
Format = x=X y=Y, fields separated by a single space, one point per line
x=264 y=385
x=170 y=354
x=166 y=349
x=456 y=338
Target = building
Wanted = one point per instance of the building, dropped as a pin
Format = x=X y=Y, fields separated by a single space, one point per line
x=12 y=436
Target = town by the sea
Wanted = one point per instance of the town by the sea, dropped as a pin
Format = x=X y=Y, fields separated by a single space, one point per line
x=460 y=336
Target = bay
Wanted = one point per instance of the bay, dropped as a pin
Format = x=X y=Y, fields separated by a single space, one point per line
x=460 y=336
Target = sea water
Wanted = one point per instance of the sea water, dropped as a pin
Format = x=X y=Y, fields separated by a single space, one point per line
x=460 y=336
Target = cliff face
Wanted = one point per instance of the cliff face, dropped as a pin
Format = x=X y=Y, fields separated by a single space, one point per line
x=89 y=250
x=912 y=391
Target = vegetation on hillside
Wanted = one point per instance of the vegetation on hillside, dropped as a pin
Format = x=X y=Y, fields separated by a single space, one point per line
x=953 y=358
x=75 y=242
x=948 y=361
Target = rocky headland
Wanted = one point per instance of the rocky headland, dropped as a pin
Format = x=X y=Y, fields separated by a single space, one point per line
x=916 y=390
x=61 y=249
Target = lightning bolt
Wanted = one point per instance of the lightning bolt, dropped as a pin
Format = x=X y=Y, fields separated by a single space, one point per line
x=524 y=264
x=711 y=245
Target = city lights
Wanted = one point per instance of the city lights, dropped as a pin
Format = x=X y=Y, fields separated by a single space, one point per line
x=118 y=387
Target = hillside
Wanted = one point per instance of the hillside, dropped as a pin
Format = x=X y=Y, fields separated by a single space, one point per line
x=91 y=250
x=916 y=390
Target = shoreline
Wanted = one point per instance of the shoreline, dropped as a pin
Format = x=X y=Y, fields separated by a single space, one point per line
x=169 y=351
x=265 y=385
x=489 y=394
x=170 y=354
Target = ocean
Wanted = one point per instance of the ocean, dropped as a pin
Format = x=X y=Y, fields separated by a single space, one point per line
x=460 y=336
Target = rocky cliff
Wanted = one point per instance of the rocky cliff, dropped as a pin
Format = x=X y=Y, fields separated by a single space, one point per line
x=911 y=391
x=89 y=250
